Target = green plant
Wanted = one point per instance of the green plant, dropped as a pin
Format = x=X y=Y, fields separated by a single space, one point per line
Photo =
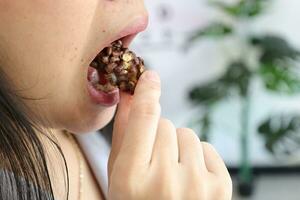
x=275 y=67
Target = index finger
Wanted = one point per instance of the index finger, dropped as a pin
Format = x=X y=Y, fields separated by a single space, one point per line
x=120 y=124
x=143 y=120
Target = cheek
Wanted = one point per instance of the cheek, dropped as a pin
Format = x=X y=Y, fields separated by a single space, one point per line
x=44 y=42
x=40 y=34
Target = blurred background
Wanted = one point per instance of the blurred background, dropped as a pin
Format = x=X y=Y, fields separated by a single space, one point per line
x=229 y=70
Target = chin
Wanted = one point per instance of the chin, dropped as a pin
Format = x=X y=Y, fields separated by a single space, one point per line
x=92 y=123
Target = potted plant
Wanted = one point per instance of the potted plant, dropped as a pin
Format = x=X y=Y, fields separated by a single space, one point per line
x=275 y=66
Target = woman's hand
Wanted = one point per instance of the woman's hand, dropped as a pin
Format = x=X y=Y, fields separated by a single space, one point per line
x=151 y=159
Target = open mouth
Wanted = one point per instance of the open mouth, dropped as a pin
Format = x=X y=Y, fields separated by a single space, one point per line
x=116 y=67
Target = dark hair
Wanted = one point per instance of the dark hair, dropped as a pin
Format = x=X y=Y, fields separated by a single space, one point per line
x=24 y=173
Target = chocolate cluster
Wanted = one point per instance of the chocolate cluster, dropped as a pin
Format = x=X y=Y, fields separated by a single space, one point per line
x=120 y=66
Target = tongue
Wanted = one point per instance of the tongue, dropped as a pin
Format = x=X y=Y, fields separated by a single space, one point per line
x=100 y=97
x=92 y=75
x=96 y=77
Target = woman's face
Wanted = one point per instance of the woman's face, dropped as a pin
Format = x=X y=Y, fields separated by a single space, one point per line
x=47 y=46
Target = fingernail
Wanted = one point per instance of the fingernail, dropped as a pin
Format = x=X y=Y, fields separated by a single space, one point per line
x=152 y=75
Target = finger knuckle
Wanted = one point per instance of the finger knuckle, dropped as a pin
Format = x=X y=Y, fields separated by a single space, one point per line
x=167 y=187
x=207 y=145
x=220 y=190
x=210 y=149
x=166 y=122
x=228 y=184
x=199 y=185
x=186 y=130
x=125 y=184
x=197 y=192
x=195 y=176
x=146 y=109
x=188 y=135
x=223 y=188
x=152 y=85
x=225 y=177
x=198 y=171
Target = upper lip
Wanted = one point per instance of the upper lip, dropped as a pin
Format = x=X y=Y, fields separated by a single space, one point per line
x=138 y=25
x=128 y=33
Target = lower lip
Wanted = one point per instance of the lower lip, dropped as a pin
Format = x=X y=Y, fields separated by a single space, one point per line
x=103 y=98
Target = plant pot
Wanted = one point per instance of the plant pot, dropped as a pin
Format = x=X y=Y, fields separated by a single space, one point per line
x=245 y=188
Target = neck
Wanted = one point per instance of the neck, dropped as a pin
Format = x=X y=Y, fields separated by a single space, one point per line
x=56 y=162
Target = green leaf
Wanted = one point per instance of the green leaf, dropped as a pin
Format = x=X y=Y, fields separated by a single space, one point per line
x=276 y=67
x=278 y=77
x=238 y=76
x=243 y=8
x=274 y=48
x=208 y=94
x=216 y=30
x=281 y=133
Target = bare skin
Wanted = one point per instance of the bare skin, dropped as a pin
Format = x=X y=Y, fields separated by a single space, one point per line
x=151 y=159
x=46 y=49
x=90 y=187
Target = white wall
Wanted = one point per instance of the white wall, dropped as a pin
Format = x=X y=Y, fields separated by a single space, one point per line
x=161 y=46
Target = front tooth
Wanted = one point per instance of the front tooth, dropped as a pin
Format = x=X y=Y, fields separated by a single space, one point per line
x=95 y=77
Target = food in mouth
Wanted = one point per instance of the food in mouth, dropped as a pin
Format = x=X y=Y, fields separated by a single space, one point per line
x=117 y=67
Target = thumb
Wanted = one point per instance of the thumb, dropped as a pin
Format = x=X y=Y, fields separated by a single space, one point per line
x=120 y=124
